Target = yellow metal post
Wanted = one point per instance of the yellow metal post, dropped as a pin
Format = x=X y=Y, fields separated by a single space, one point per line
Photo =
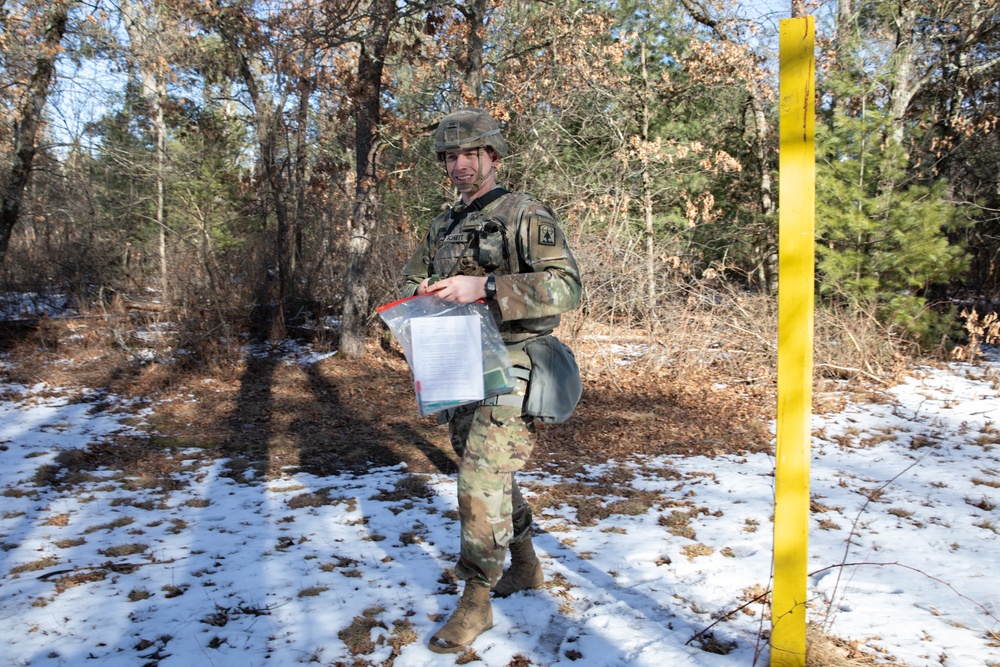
x=796 y=265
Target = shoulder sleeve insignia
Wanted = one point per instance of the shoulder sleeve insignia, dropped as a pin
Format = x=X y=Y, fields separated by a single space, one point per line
x=546 y=233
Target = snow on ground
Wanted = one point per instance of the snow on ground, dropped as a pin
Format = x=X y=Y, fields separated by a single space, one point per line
x=18 y=305
x=300 y=569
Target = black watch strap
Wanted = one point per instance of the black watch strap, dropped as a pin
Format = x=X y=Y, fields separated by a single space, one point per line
x=491 y=287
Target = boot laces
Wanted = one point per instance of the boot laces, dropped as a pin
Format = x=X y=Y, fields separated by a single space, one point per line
x=465 y=606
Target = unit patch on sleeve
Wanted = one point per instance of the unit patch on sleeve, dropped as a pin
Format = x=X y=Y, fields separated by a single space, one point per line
x=546 y=234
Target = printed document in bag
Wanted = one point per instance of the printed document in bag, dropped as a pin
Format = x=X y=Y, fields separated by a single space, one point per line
x=447 y=358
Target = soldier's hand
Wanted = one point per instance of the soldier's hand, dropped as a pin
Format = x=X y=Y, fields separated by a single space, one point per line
x=425 y=285
x=458 y=289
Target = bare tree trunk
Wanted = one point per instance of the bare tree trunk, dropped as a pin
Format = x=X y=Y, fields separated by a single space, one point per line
x=845 y=17
x=271 y=129
x=143 y=29
x=647 y=189
x=769 y=262
x=302 y=173
x=905 y=84
x=211 y=271
x=475 y=19
x=30 y=117
x=368 y=107
x=161 y=223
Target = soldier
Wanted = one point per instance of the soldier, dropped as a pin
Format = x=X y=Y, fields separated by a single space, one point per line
x=508 y=249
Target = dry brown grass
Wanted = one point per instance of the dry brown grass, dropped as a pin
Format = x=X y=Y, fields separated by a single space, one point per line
x=823 y=650
x=35 y=565
x=312 y=591
x=594 y=500
x=120 y=550
x=319 y=498
x=357 y=636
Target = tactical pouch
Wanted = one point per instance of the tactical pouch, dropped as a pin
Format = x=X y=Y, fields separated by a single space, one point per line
x=493 y=248
x=555 y=387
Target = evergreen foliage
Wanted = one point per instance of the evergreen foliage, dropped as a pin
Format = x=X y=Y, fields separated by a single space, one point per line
x=883 y=242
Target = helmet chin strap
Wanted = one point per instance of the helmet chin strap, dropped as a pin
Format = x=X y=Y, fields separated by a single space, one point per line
x=480 y=177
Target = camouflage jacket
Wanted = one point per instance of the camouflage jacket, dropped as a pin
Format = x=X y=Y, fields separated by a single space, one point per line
x=517 y=239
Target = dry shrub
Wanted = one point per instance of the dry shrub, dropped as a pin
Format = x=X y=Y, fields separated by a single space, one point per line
x=823 y=650
x=980 y=330
x=701 y=328
x=710 y=328
x=851 y=343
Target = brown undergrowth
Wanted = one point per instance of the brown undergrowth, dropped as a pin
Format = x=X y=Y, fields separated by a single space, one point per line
x=276 y=414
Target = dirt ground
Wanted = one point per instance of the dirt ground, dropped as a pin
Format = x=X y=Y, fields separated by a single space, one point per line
x=279 y=415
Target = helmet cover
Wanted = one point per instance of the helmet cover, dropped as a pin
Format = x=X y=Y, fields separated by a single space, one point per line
x=468 y=128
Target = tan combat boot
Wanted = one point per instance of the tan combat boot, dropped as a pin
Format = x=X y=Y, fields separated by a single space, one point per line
x=472 y=617
x=525 y=570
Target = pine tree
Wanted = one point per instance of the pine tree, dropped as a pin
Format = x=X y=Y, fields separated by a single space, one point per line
x=883 y=242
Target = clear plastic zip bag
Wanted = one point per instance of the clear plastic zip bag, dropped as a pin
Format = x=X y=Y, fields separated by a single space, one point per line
x=454 y=351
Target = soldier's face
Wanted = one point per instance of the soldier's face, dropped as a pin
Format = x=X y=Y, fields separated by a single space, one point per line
x=473 y=171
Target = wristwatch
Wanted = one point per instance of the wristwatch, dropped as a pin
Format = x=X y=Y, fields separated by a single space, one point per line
x=491 y=287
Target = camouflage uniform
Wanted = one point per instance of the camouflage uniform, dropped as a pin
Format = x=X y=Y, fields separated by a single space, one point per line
x=517 y=239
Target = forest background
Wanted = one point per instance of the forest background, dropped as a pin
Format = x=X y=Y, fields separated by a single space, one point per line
x=249 y=166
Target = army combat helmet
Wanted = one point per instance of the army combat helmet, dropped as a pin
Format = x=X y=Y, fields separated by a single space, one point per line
x=468 y=128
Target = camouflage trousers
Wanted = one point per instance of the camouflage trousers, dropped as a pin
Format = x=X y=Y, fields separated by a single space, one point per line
x=493 y=442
